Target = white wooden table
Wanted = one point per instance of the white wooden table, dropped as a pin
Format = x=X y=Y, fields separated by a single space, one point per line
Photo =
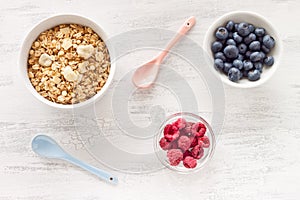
x=257 y=155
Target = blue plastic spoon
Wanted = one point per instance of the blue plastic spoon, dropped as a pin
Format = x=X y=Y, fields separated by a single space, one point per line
x=47 y=147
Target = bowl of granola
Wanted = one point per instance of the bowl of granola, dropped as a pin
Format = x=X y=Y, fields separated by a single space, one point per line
x=65 y=61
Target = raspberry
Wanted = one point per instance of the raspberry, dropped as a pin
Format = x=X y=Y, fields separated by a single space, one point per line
x=188 y=128
x=175 y=156
x=180 y=123
x=205 y=141
x=164 y=144
x=190 y=162
x=187 y=153
x=184 y=143
x=168 y=129
x=198 y=129
x=171 y=132
x=197 y=152
x=194 y=141
x=174 y=145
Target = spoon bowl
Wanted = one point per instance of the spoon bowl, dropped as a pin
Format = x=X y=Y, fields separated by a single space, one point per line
x=47 y=147
x=145 y=75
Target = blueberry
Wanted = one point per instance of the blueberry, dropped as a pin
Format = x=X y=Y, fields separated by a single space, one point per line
x=251 y=28
x=265 y=49
x=234 y=74
x=219 y=64
x=263 y=55
x=230 y=42
x=238 y=64
x=255 y=56
x=241 y=74
x=242 y=48
x=247 y=65
x=259 y=32
x=230 y=35
x=230 y=25
x=269 y=41
x=221 y=56
x=269 y=61
x=216 y=46
x=254 y=75
x=227 y=67
x=248 y=54
x=243 y=29
x=237 y=37
x=236 y=26
x=245 y=73
x=258 y=66
x=250 y=38
x=260 y=39
x=254 y=46
x=240 y=57
x=222 y=33
x=231 y=51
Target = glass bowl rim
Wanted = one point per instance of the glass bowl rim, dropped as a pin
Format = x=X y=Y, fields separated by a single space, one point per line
x=200 y=164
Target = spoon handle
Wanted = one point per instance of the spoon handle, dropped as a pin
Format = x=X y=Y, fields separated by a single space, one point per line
x=188 y=24
x=98 y=172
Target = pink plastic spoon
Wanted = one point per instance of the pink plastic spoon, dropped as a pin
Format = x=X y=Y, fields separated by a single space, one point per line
x=146 y=74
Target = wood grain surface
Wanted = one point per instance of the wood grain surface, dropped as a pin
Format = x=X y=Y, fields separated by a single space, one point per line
x=257 y=154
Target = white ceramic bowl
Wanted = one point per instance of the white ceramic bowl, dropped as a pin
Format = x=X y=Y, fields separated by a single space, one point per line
x=50 y=23
x=258 y=21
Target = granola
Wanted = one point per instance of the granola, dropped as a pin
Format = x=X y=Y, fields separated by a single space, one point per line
x=68 y=64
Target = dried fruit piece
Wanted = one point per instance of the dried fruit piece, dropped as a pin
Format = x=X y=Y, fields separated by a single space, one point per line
x=188 y=128
x=205 y=141
x=67 y=43
x=171 y=132
x=65 y=30
x=198 y=129
x=82 y=66
x=164 y=144
x=189 y=162
x=194 y=141
x=45 y=60
x=187 y=153
x=175 y=156
x=69 y=74
x=85 y=51
x=180 y=123
x=197 y=152
x=174 y=145
x=184 y=143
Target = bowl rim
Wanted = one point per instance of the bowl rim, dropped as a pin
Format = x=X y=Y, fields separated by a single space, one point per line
x=275 y=34
x=23 y=57
x=212 y=147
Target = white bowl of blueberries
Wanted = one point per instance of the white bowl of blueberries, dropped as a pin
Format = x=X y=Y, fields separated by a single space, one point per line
x=245 y=48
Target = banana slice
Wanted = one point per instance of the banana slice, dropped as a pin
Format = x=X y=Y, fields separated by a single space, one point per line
x=85 y=51
x=82 y=66
x=45 y=60
x=69 y=74
x=67 y=43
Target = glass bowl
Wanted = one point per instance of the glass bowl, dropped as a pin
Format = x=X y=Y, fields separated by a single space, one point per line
x=162 y=154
